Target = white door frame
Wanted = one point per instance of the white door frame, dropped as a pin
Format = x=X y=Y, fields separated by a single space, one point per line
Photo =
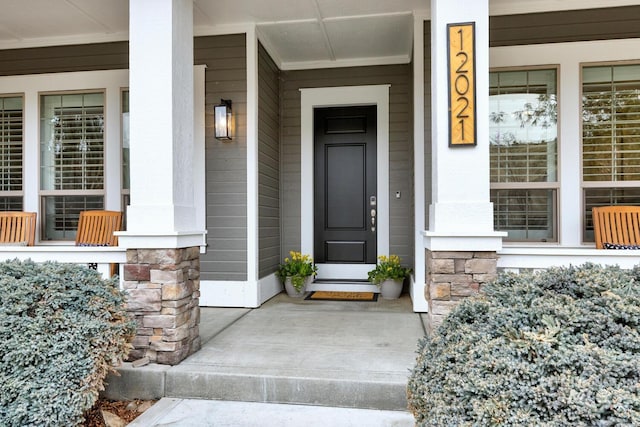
x=377 y=95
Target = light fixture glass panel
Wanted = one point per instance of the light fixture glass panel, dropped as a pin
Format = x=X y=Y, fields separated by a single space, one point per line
x=222 y=121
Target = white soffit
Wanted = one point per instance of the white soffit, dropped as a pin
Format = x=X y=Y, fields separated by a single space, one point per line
x=297 y=33
x=371 y=36
x=335 y=42
x=52 y=22
x=295 y=41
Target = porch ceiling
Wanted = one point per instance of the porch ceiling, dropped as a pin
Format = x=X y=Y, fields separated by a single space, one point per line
x=298 y=33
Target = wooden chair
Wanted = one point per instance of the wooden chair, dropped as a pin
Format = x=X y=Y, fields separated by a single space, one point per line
x=17 y=228
x=619 y=225
x=95 y=228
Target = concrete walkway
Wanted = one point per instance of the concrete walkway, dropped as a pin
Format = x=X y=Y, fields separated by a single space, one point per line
x=318 y=357
x=170 y=412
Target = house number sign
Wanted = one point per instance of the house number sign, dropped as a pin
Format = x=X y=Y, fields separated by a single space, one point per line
x=462 y=88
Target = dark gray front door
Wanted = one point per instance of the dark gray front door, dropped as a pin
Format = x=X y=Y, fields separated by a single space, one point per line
x=345 y=184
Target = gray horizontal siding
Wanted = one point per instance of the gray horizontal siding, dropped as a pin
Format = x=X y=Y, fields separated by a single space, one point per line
x=565 y=26
x=225 y=57
x=268 y=164
x=226 y=162
x=84 y=57
x=400 y=146
x=428 y=169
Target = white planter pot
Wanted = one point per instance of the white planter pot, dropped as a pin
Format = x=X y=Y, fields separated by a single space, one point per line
x=391 y=289
x=291 y=290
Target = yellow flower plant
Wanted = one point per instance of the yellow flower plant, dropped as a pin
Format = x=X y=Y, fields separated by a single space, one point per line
x=388 y=267
x=298 y=267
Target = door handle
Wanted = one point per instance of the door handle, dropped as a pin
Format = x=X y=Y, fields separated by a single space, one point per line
x=373 y=202
x=373 y=220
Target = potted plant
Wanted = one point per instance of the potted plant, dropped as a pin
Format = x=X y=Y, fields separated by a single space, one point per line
x=389 y=275
x=296 y=272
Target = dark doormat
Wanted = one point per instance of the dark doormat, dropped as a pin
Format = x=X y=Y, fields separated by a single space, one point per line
x=341 y=296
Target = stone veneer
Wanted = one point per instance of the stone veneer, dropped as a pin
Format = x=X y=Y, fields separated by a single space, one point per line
x=163 y=287
x=453 y=276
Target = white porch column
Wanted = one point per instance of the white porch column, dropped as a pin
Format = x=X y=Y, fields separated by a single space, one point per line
x=162 y=209
x=461 y=243
x=162 y=272
x=461 y=215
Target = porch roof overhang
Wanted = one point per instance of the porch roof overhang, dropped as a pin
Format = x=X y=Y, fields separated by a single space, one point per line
x=299 y=34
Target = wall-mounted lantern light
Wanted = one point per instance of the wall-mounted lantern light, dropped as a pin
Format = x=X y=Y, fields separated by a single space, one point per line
x=223 y=120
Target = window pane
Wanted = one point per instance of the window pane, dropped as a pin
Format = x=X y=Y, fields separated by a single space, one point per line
x=610 y=138
x=525 y=214
x=11 y=143
x=605 y=197
x=611 y=124
x=125 y=140
x=61 y=214
x=11 y=203
x=523 y=126
x=523 y=136
x=72 y=142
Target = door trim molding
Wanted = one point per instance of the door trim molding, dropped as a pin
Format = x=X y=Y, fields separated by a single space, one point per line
x=345 y=96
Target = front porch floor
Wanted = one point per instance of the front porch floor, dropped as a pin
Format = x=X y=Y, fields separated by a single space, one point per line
x=322 y=353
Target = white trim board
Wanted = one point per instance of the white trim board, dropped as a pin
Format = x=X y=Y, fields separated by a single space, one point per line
x=344 y=96
x=221 y=293
x=253 y=230
x=199 y=167
x=420 y=201
x=344 y=271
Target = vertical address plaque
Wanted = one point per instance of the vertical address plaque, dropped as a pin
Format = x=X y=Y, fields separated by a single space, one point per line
x=462 y=88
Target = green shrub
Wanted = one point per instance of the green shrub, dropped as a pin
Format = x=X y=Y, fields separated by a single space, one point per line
x=558 y=348
x=62 y=329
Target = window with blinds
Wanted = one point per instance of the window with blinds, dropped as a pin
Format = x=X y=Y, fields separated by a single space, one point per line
x=71 y=160
x=11 y=146
x=524 y=153
x=126 y=162
x=125 y=142
x=610 y=138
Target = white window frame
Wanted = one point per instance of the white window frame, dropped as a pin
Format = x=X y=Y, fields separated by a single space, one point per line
x=569 y=56
x=52 y=192
x=32 y=86
x=590 y=185
x=547 y=185
x=17 y=193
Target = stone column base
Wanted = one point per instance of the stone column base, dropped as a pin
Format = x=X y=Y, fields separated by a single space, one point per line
x=453 y=276
x=163 y=287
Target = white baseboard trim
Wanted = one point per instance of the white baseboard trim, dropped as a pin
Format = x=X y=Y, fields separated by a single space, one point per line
x=420 y=304
x=344 y=271
x=220 y=293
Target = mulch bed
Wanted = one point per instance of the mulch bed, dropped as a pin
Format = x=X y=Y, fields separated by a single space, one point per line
x=127 y=410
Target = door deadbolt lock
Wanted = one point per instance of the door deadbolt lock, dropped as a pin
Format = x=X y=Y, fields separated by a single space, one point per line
x=372 y=200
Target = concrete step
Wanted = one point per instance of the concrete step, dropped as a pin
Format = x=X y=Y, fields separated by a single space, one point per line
x=343 y=281
x=383 y=391
x=324 y=353
x=346 y=285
